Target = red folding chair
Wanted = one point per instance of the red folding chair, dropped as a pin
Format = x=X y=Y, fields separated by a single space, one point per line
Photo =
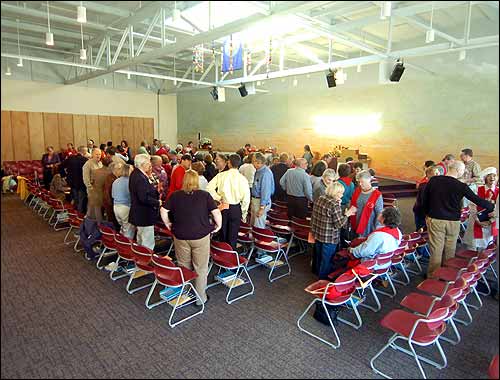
x=398 y=263
x=267 y=241
x=143 y=266
x=367 y=283
x=123 y=246
x=493 y=368
x=382 y=269
x=416 y=330
x=223 y=256
x=170 y=275
x=245 y=239
x=300 y=232
x=108 y=244
x=163 y=233
x=60 y=214
x=74 y=223
x=338 y=293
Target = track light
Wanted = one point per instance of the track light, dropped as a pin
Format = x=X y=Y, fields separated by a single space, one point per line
x=358 y=68
x=49 y=39
x=462 y=55
x=83 y=54
x=176 y=13
x=81 y=14
x=429 y=36
x=8 y=72
x=340 y=76
x=20 y=62
x=128 y=75
x=295 y=82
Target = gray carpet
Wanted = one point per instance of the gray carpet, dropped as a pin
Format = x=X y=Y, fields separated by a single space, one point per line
x=62 y=318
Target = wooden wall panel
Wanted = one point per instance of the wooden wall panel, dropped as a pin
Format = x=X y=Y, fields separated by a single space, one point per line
x=37 y=139
x=128 y=132
x=65 y=130
x=79 y=130
x=116 y=130
x=104 y=129
x=93 y=128
x=20 y=135
x=51 y=130
x=148 y=125
x=138 y=132
x=7 y=147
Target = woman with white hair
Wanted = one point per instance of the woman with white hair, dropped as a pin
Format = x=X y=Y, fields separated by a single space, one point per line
x=326 y=220
x=319 y=187
x=369 y=204
x=481 y=229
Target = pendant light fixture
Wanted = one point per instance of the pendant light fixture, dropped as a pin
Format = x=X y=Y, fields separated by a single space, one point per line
x=81 y=13
x=386 y=10
x=176 y=14
x=7 y=71
x=462 y=55
x=128 y=75
x=20 y=62
x=295 y=82
x=83 y=51
x=429 y=35
x=49 y=36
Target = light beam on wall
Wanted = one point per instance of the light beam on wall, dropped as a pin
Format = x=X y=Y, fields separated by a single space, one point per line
x=347 y=125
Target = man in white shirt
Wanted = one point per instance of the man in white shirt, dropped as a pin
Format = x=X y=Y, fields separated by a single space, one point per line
x=231 y=188
x=248 y=170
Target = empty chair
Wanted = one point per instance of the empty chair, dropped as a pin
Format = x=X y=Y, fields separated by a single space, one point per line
x=245 y=237
x=223 y=256
x=123 y=246
x=300 y=232
x=143 y=266
x=336 y=293
x=108 y=244
x=268 y=242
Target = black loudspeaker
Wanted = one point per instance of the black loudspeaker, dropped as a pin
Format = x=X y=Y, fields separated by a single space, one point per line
x=214 y=93
x=243 y=91
x=330 y=79
x=397 y=72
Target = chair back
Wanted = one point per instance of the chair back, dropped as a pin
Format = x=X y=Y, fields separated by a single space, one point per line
x=123 y=246
x=263 y=234
x=142 y=255
x=166 y=272
x=345 y=283
x=245 y=228
x=107 y=236
x=384 y=259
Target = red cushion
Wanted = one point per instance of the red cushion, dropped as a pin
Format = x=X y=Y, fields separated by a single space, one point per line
x=456 y=262
x=417 y=302
x=402 y=322
x=432 y=286
x=446 y=273
x=467 y=254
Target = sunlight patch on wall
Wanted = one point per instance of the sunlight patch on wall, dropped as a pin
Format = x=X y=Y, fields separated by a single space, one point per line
x=352 y=125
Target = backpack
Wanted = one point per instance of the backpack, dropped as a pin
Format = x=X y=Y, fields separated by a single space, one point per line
x=90 y=236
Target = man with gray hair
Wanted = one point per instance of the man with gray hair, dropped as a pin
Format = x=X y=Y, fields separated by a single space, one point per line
x=73 y=166
x=144 y=201
x=297 y=184
x=262 y=190
x=319 y=188
x=94 y=163
x=441 y=203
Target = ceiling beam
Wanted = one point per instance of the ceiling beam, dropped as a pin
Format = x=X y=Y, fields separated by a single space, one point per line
x=421 y=24
x=100 y=8
x=187 y=43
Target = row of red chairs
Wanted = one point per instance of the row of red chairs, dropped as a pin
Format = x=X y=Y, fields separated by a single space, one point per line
x=23 y=168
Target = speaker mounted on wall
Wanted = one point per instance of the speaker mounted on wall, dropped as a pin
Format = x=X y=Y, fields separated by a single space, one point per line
x=330 y=79
x=243 y=91
x=397 y=71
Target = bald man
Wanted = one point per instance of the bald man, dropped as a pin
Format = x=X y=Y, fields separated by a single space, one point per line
x=297 y=185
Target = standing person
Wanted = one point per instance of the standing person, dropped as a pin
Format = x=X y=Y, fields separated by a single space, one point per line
x=107 y=199
x=90 y=146
x=96 y=195
x=326 y=221
x=418 y=210
x=102 y=147
x=308 y=156
x=231 y=188
x=472 y=168
x=161 y=174
x=297 y=184
x=248 y=149
x=121 y=154
x=199 y=168
x=445 y=162
x=356 y=168
x=192 y=229
x=221 y=162
x=317 y=171
x=145 y=201
x=320 y=186
x=50 y=163
x=92 y=164
x=346 y=181
x=74 y=177
x=111 y=155
x=70 y=151
x=279 y=171
x=248 y=170
x=178 y=174
x=144 y=148
x=155 y=147
x=210 y=169
x=369 y=203
x=480 y=233
x=128 y=151
x=163 y=148
x=425 y=179
x=442 y=206
x=121 y=200
x=262 y=191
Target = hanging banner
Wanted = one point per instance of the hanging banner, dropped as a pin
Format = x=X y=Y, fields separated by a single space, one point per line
x=232 y=54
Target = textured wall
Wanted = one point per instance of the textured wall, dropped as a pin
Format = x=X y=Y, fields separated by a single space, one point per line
x=422 y=117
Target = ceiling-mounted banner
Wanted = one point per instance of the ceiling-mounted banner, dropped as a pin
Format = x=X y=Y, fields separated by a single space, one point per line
x=232 y=54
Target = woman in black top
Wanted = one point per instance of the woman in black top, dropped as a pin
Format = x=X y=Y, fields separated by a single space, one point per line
x=50 y=162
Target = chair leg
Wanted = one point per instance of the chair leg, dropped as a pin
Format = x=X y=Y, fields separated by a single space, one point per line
x=485 y=281
x=131 y=279
x=469 y=315
x=402 y=269
x=492 y=267
x=197 y=297
x=476 y=295
x=415 y=260
x=65 y=241
x=331 y=344
x=420 y=357
x=359 y=323
x=455 y=331
x=391 y=284
x=103 y=254
x=372 y=361
x=115 y=269
x=375 y=297
x=243 y=270
x=148 y=298
x=278 y=256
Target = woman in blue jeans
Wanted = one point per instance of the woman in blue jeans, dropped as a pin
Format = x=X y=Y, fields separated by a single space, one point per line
x=326 y=221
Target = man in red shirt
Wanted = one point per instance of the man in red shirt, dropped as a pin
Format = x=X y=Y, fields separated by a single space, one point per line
x=164 y=149
x=178 y=174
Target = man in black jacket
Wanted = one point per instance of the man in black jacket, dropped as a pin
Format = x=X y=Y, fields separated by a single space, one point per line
x=73 y=167
x=145 y=201
x=441 y=203
x=279 y=171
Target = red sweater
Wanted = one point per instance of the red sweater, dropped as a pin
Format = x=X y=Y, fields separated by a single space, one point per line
x=176 y=180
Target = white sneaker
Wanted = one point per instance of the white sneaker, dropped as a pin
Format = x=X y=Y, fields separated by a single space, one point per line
x=110 y=267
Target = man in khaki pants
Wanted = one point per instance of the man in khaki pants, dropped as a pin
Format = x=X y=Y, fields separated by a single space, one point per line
x=441 y=202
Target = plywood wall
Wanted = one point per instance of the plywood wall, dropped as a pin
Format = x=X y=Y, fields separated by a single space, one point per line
x=26 y=135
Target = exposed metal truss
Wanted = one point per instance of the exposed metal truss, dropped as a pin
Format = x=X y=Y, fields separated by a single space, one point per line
x=126 y=37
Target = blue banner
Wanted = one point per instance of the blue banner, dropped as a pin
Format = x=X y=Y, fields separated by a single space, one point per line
x=232 y=56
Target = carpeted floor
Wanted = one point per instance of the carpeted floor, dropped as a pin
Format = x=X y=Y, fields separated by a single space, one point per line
x=62 y=318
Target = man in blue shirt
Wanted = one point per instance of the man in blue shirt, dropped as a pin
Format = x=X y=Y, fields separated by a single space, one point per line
x=297 y=184
x=262 y=190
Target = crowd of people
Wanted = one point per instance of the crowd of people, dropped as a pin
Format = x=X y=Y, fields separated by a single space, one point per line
x=199 y=194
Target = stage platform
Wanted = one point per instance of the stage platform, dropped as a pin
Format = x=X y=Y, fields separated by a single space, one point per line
x=397 y=188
